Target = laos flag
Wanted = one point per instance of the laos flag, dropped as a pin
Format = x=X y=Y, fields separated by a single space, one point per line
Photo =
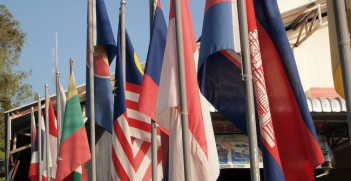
x=287 y=136
x=151 y=79
x=104 y=52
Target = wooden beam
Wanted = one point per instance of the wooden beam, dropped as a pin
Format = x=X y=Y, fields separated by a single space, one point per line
x=20 y=148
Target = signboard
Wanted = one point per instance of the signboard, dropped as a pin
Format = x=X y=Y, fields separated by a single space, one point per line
x=233 y=151
x=225 y=127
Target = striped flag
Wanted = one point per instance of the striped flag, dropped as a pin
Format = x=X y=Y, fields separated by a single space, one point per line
x=131 y=133
x=287 y=136
x=74 y=147
x=45 y=152
x=204 y=157
x=104 y=52
x=34 y=165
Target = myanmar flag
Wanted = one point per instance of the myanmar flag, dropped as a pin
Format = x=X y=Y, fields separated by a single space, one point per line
x=74 y=149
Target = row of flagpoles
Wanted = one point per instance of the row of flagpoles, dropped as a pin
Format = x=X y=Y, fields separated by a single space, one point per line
x=192 y=154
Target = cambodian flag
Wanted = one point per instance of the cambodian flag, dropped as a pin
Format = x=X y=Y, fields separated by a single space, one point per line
x=104 y=52
x=151 y=79
x=287 y=136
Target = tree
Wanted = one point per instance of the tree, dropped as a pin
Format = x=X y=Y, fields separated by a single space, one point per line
x=13 y=91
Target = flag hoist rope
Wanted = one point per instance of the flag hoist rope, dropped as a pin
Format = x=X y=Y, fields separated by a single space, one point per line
x=249 y=101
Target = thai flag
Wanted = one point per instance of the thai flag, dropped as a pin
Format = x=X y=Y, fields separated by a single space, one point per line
x=131 y=146
x=104 y=52
x=34 y=164
x=204 y=162
x=151 y=79
x=287 y=136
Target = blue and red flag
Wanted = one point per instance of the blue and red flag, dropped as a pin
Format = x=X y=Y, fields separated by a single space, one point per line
x=152 y=74
x=288 y=139
x=154 y=60
x=131 y=128
x=104 y=52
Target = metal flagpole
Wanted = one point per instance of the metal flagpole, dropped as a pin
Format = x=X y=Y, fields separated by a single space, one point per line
x=153 y=123
x=39 y=138
x=47 y=132
x=32 y=122
x=344 y=52
x=91 y=81
x=58 y=111
x=182 y=85
x=123 y=40
x=249 y=101
x=8 y=144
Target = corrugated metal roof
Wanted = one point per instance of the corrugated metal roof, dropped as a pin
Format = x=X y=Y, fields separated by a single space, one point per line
x=319 y=105
x=326 y=104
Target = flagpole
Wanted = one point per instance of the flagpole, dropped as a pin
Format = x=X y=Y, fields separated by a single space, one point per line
x=32 y=122
x=249 y=101
x=8 y=144
x=183 y=95
x=123 y=40
x=153 y=123
x=344 y=52
x=39 y=137
x=58 y=111
x=91 y=82
x=47 y=131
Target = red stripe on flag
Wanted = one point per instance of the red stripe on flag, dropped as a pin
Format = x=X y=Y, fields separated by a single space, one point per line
x=139 y=157
x=123 y=141
x=133 y=87
x=118 y=166
x=132 y=105
x=139 y=125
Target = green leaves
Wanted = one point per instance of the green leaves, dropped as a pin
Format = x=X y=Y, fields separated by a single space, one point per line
x=13 y=91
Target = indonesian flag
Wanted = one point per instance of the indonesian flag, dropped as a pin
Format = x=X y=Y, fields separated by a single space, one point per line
x=204 y=158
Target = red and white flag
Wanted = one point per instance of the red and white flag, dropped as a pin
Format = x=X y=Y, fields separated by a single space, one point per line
x=204 y=157
x=52 y=141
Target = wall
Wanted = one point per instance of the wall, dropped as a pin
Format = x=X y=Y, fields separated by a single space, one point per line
x=313 y=57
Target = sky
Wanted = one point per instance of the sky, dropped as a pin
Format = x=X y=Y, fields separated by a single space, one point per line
x=40 y=19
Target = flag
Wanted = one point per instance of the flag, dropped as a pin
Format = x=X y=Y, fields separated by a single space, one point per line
x=62 y=101
x=52 y=140
x=204 y=158
x=46 y=159
x=104 y=52
x=34 y=165
x=334 y=48
x=288 y=139
x=74 y=147
x=34 y=130
x=151 y=79
x=132 y=128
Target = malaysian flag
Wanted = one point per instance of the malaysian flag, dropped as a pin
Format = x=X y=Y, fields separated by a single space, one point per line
x=131 y=129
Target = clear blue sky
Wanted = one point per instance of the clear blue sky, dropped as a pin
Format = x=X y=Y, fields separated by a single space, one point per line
x=40 y=19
